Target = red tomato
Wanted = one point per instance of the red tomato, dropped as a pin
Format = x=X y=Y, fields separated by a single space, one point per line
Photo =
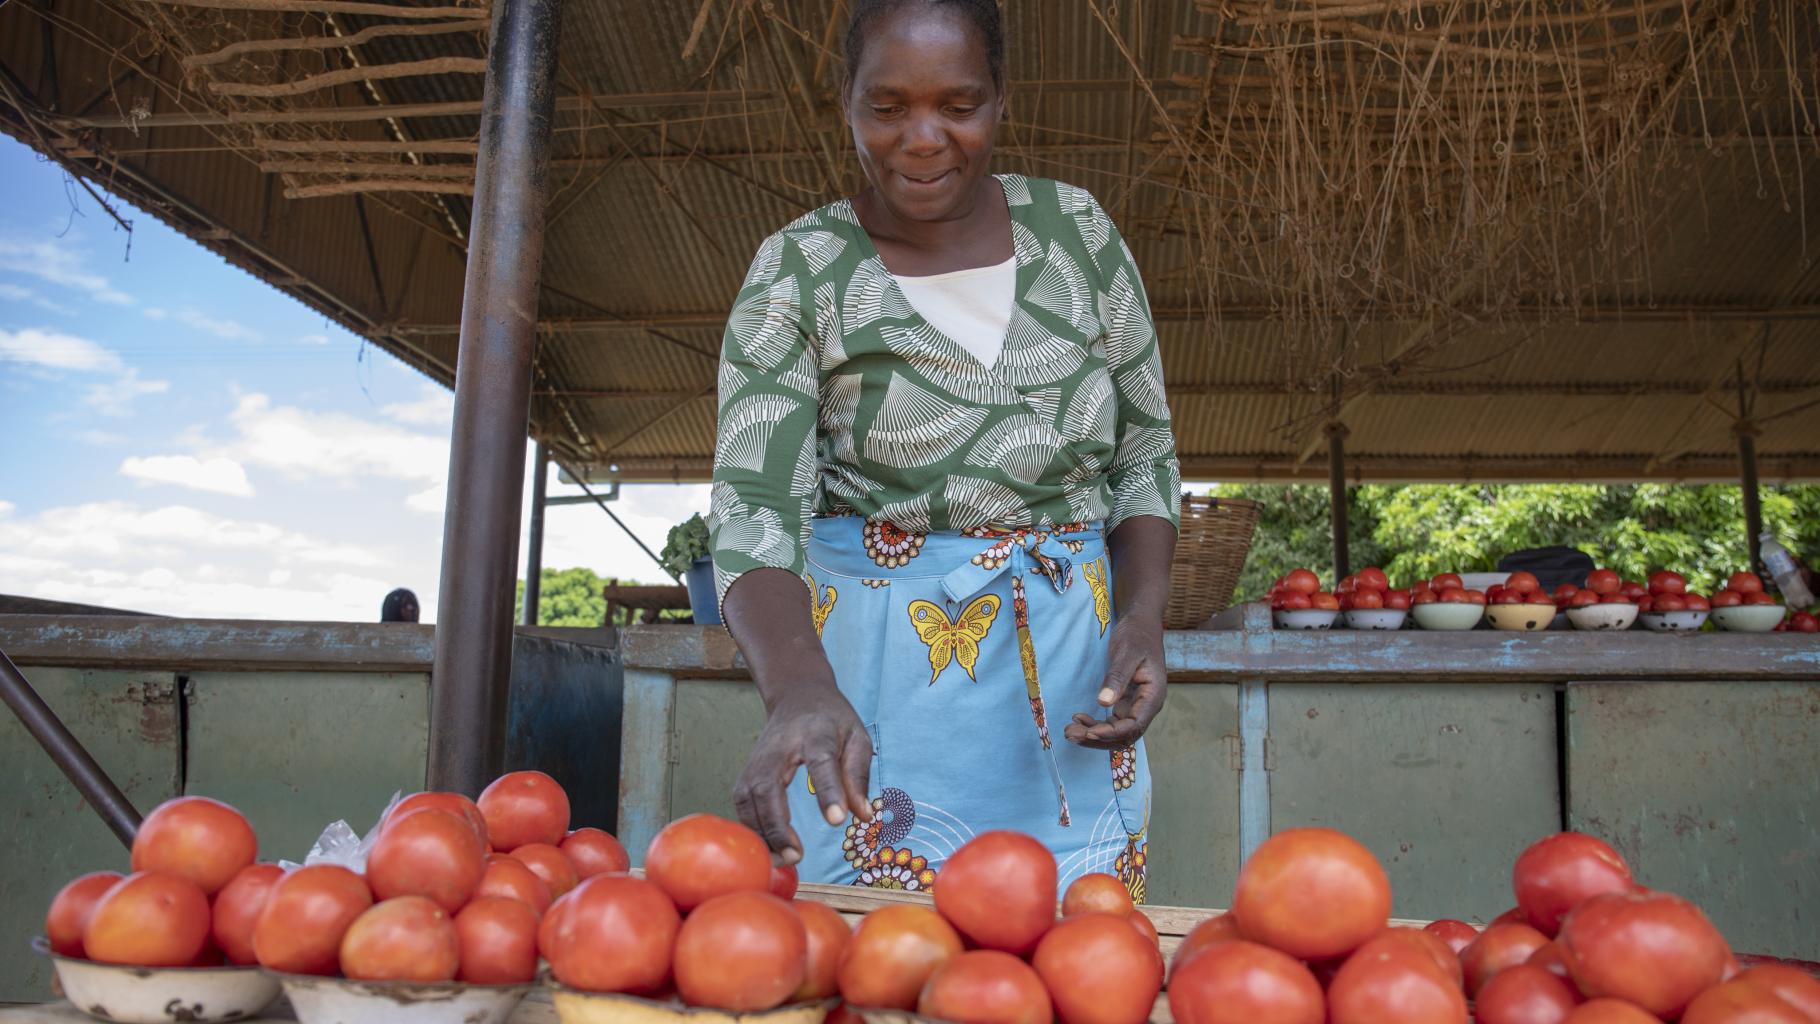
x=1697 y=602
x=1145 y=926
x=741 y=951
x=148 y=919
x=1499 y=947
x=1347 y=585
x=508 y=877
x=306 y=914
x=594 y=852
x=1523 y=582
x=1435 y=946
x=1794 y=985
x=828 y=934
x=70 y=911
x=1739 y=1002
x=524 y=807
x=210 y=956
x=498 y=939
x=1313 y=893
x=203 y=840
x=1665 y=582
x=1760 y=597
x=1098 y=969
x=1096 y=893
x=1603 y=581
x=548 y=863
x=1512 y=916
x=1745 y=583
x=1645 y=603
x=1669 y=601
x=783 y=881
x=1584 y=598
x=1302 y=581
x=1295 y=600
x=1244 y=983
x=1633 y=590
x=454 y=803
x=1448 y=579
x=893 y=952
x=985 y=986
x=998 y=891
x=1397 y=599
x=1651 y=948
x=1549 y=959
x=1565 y=592
x=1373 y=578
x=1475 y=596
x=1525 y=994
x=1802 y=622
x=1421 y=585
x=1211 y=932
x=1393 y=981
x=1326 y=602
x=406 y=938
x=1457 y=934
x=1616 y=598
x=1610 y=1011
x=1554 y=875
x=1368 y=599
x=696 y=858
x=237 y=908
x=613 y=933
x=1727 y=599
x=427 y=852
x=1423 y=597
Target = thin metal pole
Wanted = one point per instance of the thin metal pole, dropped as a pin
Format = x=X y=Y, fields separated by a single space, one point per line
x=1336 y=487
x=1753 y=498
x=472 y=674
x=116 y=811
x=534 y=558
x=602 y=502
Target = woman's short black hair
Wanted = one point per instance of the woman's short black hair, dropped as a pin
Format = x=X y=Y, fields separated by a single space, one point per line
x=981 y=14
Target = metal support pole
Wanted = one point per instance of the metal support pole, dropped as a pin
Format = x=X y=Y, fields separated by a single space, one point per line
x=472 y=673
x=67 y=751
x=1753 y=499
x=1336 y=485
x=534 y=558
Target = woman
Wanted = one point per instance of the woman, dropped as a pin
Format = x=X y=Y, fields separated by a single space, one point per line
x=942 y=409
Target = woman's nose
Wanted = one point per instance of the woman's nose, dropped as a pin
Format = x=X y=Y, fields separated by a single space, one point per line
x=925 y=135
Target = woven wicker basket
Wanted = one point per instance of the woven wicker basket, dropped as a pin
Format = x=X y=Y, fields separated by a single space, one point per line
x=1209 y=553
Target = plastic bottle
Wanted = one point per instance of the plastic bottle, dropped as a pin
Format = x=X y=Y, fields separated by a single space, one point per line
x=1781 y=565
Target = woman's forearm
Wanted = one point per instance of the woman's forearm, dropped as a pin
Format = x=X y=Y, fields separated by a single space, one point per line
x=1143 y=548
x=767 y=611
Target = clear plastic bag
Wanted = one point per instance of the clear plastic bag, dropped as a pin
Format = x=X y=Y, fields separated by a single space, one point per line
x=340 y=844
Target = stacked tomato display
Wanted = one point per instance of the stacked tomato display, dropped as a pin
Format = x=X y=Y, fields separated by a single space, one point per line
x=1446 y=588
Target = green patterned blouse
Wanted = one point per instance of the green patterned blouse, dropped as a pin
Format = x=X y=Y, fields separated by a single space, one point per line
x=836 y=398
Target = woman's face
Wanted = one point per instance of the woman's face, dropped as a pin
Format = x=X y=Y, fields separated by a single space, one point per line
x=923 y=108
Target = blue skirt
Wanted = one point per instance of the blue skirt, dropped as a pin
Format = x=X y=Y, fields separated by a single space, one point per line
x=961 y=651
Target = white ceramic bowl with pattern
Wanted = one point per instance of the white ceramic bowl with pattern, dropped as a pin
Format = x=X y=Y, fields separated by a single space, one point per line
x=155 y=995
x=1603 y=616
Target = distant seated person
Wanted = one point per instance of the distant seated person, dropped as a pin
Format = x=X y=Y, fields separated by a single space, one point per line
x=400 y=606
x=1552 y=566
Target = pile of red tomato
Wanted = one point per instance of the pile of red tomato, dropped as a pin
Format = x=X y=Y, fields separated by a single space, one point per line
x=1366 y=590
x=454 y=889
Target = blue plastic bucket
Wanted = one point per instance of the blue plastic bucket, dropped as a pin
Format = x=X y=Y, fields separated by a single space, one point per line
x=702 y=602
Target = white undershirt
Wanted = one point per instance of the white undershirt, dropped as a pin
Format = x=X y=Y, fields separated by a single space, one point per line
x=973 y=307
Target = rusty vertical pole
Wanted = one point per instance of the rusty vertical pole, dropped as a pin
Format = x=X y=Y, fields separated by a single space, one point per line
x=534 y=557
x=472 y=674
x=1336 y=486
x=1753 y=498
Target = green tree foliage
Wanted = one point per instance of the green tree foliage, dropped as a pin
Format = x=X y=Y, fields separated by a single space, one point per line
x=568 y=597
x=1418 y=531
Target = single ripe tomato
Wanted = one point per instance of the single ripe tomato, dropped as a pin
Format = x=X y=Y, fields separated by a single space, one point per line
x=1727 y=599
x=1794 y=985
x=1373 y=579
x=427 y=852
x=1632 y=589
x=1453 y=595
x=1457 y=934
x=524 y=807
x=203 y=840
x=1211 y=932
x=741 y=951
x=783 y=881
x=1512 y=916
x=828 y=934
x=70 y=911
x=1610 y=1011
x=1393 y=981
x=1761 y=597
x=1549 y=958
x=998 y=891
x=1096 y=893
x=1397 y=600
x=1603 y=581
x=1745 y=583
x=1525 y=994
x=1433 y=945
x=1617 y=598
x=1565 y=592
x=892 y=954
x=594 y=852
x=1326 y=602
x=148 y=919
x=498 y=938
x=1098 y=969
x=1244 y=983
x=1666 y=582
x=1669 y=601
x=1448 y=579
x=1475 y=596
x=1498 y=948
x=985 y=986
x=1739 y=1002
x=507 y=876
x=1804 y=622
x=1585 y=598
x=548 y=863
x=1302 y=581
x=1697 y=602
x=1295 y=601
x=1523 y=582
x=1146 y=927
x=1368 y=599
x=1556 y=874
x=237 y=908
x=701 y=856
x=306 y=914
x=1313 y=893
x=405 y=938
x=1423 y=597
x=613 y=933
x=1652 y=948
x=454 y=803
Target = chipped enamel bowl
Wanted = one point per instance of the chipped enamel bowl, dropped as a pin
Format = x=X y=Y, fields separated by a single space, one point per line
x=153 y=995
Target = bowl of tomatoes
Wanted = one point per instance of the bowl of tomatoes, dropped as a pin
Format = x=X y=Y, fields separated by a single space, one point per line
x=1368 y=602
x=1670 y=607
x=133 y=994
x=1298 y=602
x=1519 y=604
x=1743 y=606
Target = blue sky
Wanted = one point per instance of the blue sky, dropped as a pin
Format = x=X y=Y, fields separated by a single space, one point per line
x=182 y=438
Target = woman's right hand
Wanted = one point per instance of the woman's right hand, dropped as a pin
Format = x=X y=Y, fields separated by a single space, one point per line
x=814 y=728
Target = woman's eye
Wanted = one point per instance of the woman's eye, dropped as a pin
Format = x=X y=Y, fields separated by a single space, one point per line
x=961 y=111
x=886 y=111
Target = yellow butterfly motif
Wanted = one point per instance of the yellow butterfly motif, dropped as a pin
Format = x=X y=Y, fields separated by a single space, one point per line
x=818 y=608
x=951 y=640
x=1102 y=599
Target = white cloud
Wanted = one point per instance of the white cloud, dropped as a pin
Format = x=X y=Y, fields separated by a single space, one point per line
x=304 y=444
x=6 y=508
x=100 y=437
x=217 y=475
x=155 y=313
x=54 y=261
x=226 y=329
x=313 y=339
x=114 y=397
x=14 y=293
x=433 y=501
x=49 y=351
x=434 y=407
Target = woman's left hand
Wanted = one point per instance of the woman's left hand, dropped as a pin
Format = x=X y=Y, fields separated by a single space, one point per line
x=1134 y=690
